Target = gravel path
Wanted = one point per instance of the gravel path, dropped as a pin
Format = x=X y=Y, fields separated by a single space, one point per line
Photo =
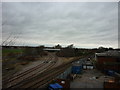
x=49 y=57
x=31 y=65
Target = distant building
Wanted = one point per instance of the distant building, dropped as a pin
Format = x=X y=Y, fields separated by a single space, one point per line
x=109 y=60
x=51 y=50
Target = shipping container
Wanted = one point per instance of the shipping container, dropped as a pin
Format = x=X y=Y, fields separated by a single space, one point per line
x=55 y=86
x=76 y=69
x=65 y=74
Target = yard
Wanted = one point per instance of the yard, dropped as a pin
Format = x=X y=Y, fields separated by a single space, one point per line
x=88 y=79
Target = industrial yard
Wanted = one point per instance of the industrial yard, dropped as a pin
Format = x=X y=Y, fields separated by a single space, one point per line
x=60 y=45
x=88 y=79
x=53 y=71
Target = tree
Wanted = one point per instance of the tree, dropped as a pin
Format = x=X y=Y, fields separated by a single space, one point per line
x=66 y=52
x=40 y=50
x=33 y=51
x=10 y=40
x=29 y=51
x=58 y=46
x=110 y=48
x=70 y=46
x=102 y=49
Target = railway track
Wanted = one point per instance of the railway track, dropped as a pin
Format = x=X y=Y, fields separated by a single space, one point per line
x=42 y=79
x=24 y=73
x=11 y=83
x=27 y=74
x=46 y=80
x=38 y=79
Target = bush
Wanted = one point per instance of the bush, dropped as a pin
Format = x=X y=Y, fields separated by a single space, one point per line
x=66 y=52
x=33 y=51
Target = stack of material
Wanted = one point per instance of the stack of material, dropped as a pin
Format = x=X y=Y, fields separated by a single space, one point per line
x=111 y=83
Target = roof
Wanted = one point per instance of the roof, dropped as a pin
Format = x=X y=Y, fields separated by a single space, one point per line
x=48 y=49
x=112 y=53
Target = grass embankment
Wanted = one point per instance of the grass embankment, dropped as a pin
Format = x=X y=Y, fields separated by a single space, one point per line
x=6 y=51
x=10 y=54
x=13 y=60
x=10 y=64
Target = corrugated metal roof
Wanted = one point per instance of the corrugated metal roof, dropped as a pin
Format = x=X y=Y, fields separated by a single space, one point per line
x=52 y=49
x=109 y=53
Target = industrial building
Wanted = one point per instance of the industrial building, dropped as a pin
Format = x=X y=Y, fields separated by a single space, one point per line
x=51 y=49
x=109 y=60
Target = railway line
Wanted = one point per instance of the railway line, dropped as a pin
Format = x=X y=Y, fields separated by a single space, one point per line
x=42 y=79
x=26 y=75
x=48 y=78
x=38 y=76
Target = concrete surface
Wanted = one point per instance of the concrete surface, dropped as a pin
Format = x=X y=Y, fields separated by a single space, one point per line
x=87 y=80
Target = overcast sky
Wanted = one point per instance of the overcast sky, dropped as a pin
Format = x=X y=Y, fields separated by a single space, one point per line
x=84 y=24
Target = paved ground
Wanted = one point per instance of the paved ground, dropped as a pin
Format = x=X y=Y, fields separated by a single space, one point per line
x=87 y=80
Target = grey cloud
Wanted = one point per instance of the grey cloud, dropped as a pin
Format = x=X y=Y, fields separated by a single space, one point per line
x=83 y=24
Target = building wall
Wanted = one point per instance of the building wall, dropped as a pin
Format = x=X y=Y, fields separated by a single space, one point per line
x=101 y=59
x=101 y=66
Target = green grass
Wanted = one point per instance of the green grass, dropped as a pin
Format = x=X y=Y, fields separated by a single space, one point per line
x=6 y=51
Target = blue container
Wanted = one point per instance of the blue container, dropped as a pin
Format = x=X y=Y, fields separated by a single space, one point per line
x=76 y=69
x=110 y=72
x=55 y=86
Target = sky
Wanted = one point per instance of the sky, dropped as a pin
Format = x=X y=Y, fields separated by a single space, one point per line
x=84 y=24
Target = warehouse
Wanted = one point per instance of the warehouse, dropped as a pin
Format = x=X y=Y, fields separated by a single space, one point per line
x=109 y=60
x=51 y=50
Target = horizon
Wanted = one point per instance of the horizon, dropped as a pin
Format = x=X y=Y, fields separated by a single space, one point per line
x=63 y=46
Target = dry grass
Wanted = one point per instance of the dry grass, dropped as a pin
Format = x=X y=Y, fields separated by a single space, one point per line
x=67 y=59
